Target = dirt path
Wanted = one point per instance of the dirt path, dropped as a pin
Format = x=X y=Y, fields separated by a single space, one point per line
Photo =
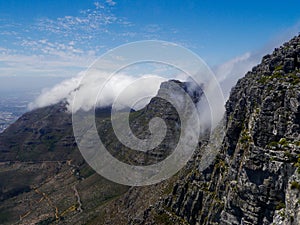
x=78 y=199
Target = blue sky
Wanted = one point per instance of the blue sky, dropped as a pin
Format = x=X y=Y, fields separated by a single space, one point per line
x=61 y=38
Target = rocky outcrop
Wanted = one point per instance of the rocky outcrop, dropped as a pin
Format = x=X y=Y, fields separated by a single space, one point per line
x=159 y=106
x=255 y=177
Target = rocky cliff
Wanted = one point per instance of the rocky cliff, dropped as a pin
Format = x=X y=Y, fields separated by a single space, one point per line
x=255 y=178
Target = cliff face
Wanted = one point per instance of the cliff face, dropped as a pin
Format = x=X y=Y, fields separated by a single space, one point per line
x=261 y=146
x=255 y=178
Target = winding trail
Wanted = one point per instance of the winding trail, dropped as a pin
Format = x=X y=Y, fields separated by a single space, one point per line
x=50 y=203
x=78 y=198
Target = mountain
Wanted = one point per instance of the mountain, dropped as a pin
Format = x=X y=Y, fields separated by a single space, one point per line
x=43 y=173
x=254 y=178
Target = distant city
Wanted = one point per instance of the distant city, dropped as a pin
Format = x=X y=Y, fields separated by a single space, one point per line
x=17 y=92
x=12 y=106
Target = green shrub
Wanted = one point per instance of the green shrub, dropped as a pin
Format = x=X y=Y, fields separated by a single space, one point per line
x=297 y=164
x=163 y=219
x=280 y=205
x=273 y=144
x=283 y=141
x=245 y=137
x=295 y=185
x=277 y=68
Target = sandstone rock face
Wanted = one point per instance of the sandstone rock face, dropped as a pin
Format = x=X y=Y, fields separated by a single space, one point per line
x=255 y=177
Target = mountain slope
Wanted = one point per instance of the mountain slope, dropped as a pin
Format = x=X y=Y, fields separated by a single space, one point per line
x=255 y=179
x=44 y=178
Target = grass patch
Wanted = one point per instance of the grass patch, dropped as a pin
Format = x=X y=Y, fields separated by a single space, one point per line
x=295 y=185
x=163 y=219
x=4 y=216
x=297 y=164
x=280 y=205
x=245 y=137
x=47 y=221
x=86 y=171
x=272 y=144
x=283 y=141
x=277 y=68
x=289 y=77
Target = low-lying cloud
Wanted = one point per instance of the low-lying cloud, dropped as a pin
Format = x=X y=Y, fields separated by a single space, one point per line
x=94 y=89
x=97 y=89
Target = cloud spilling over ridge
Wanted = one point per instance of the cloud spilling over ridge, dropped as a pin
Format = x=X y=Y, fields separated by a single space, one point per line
x=126 y=88
x=56 y=94
x=120 y=90
x=229 y=72
x=95 y=89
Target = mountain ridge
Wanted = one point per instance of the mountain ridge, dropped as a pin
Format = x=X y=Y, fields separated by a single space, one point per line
x=40 y=147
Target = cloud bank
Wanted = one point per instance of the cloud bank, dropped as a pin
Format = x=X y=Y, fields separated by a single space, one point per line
x=86 y=89
x=231 y=71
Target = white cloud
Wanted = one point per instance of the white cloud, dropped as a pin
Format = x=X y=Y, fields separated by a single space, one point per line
x=72 y=41
x=56 y=94
x=86 y=90
x=152 y=28
x=89 y=23
x=111 y=2
x=229 y=72
x=121 y=90
x=60 y=63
